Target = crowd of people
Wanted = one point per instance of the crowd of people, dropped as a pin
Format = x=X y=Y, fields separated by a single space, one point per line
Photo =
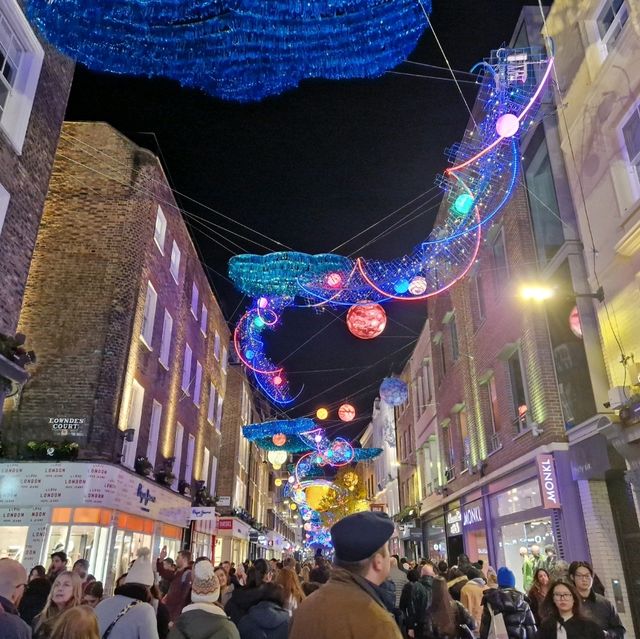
x=364 y=593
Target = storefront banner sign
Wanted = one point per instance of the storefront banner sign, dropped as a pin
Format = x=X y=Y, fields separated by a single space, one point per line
x=68 y=426
x=77 y=484
x=415 y=534
x=225 y=524
x=454 y=522
x=202 y=513
x=589 y=458
x=224 y=501
x=472 y=515
x=16 y=516
x=548 y=482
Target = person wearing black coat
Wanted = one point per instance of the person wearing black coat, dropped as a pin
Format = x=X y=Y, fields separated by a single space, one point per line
x=243 y=598
x=564 y=610
x=34 y=598
x=515 y=610
x=267 y=618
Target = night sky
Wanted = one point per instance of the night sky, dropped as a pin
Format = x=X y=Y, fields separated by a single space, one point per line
x=311 y=169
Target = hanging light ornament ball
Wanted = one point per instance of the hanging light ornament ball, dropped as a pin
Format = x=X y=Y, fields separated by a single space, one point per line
x=278 y=481
x=394 y=391
x=333 y=280
x=418 y=285
x=277 y=457
x=350 y=480
x=279 y=439
x=507 y=125
x=346 y=412
x=322 y=413
x=366 y=321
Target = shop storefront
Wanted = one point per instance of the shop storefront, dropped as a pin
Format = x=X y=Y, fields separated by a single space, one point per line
x=99 y=512
x=434 y=536
x=455 y=542
x=203 y=536
x=232 y=540
x=474 y=531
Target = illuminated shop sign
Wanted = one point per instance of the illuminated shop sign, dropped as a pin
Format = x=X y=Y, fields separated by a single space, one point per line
x=472 y=515
x=454 y=522
x=548 y=482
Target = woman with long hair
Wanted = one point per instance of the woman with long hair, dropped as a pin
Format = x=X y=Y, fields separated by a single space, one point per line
x=538 y=592
x=93 y=594
x=446 y=618
x=563 y=616
x=37 y=572
x=65 y=593
x=305 y=573
x=243 y=598
x=293 y=593
x=76 y=623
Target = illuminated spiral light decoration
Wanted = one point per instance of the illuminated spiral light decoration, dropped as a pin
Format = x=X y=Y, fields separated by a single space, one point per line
x=394 y=391
x=478 y=183
x=241 y=50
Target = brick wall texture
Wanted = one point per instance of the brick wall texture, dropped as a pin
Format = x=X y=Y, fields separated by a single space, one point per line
x=84 y=302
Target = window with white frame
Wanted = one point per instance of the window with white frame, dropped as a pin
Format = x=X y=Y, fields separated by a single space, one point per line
x=500 y=264
x=134 y=415
x=211 y=408
x=161 y=229
x=177 y=454
x=149 y=315
x=225 y=358
x=198 y=384
x=426 y=380
x=175 y=262
x=518 y=390
x=204 y=317
x=165 y=344
x=455 y=347
x=4 y=205
x=186 y=369
x=206 y=460
x=216 y=346
x=194 y=299
x=219 y=412
x=213 y=475
x=154 y=432
x=611 y=19
x=191 y=449
x=21 y=57
x=631 y=134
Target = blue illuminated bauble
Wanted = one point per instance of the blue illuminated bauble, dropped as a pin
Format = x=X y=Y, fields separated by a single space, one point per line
x=507 y=125
x=463 y=204
x=394 y=391
x=249 y=354
x=258 y=322
x=401 y=287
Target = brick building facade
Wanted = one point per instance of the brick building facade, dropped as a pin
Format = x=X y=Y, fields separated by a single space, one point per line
x=34 y=87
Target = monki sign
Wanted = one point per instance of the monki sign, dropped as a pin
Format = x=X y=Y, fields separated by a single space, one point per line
x=548 y=482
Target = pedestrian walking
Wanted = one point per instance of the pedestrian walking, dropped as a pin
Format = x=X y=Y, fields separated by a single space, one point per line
x=564 y=617
x=243 y=598
x=58 y=564
x=456 y=581
x=446 y=618
x=293 y=593
x=13 y=579
x=362 y=561
x=399 y=578
x=472 y=593
x=34 y=598
x=163 y=584
x=599 y=608
x=267 y=618
x=413 y=603
x=321 y=572
x=66 y=592
x=81 y=568
x=129 y=613
x=179 y=581
x=79 y=622
x=37 y=572
x=203 y=618
x=93 y=594
x=538 y=592
x=511 y=604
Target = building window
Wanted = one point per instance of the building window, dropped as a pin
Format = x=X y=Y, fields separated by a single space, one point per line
x=494 y=406
x=191 y=449
x=211 y=408
x=500 y=266
x=455 y=347
x=479 y=295
x=631 y=133
x=443 y=361
x=204 y=316
x=451 y=453
x=194 y=300
x=421 y=400
x=206 y=460
x=426 y=381
x=518 y=390
x=21 y=57
x=161 y=229
x=198 y=384
x=165 y=344
x=216 y=346
x=186 y=369
x=154 y=432
x=214 y=473
x=149 y=315
x=4 y=205
x=177 y=454
x=611 y=19
x=225 y=359
x=134 y=415
x=175 y=262
x=219 y=413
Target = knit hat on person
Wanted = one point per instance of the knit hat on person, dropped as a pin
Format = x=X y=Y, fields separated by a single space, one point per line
x=205 y=587
x=358 y=536
x=141 y=571
x=506 y=578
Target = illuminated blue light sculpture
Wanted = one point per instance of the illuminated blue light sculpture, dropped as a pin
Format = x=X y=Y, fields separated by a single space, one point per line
x=394 y=391
x=242 y=50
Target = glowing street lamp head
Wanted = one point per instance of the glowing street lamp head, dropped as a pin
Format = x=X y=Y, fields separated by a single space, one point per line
x=536 y=292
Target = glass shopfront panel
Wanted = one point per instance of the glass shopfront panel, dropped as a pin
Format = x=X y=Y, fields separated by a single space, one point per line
x=12 y=541
x=436 y=539
x=515 y=500
x=475 y=545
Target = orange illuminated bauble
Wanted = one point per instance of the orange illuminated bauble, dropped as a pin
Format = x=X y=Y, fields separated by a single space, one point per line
x=366 y=321
x=346 y=412
x=279 y=439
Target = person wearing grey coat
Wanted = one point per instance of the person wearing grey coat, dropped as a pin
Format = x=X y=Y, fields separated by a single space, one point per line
x=131 y=617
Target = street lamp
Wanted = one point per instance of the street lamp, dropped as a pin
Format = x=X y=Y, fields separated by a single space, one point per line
x=540 y=292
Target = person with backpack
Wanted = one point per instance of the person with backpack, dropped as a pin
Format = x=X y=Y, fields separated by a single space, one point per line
x=129 y=613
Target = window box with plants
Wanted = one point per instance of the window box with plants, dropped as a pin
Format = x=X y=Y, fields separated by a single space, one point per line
x=58 y=451
x=143 y=466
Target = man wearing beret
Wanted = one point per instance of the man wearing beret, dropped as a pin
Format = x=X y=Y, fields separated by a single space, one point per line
x=348 y=606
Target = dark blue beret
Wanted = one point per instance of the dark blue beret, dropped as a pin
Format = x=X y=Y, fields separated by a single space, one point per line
x=358 y=536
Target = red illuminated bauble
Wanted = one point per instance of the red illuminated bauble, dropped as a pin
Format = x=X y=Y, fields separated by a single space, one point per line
x=333 y=280
x=366 y=321
x=346 y=412
x=279 y=439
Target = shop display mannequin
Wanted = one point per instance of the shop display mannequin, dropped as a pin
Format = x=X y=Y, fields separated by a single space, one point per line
x=550 y=559
x=527 y=568
x=536 y=560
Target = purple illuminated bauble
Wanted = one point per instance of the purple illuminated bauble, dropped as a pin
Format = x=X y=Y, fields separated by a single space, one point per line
x=507 y=125
x=263 y=302
x=394 y=391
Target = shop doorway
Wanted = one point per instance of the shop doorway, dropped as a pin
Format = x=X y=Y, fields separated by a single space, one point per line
x=455 y=547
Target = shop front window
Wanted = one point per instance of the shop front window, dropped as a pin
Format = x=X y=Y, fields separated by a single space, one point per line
x=12 y=541
x=517 y=499
x=436 y=539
